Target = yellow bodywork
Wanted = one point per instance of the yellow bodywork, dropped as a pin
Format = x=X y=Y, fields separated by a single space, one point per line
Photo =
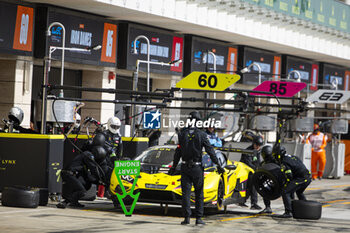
x=163 y=188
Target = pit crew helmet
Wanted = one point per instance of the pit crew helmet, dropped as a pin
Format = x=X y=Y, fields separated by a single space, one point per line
x=278 y=152
x=113 y=125
x=266 y=153
x=99 y=153
x=16 y=114
x=195 y=115
x=258 y=140
x=99 y=140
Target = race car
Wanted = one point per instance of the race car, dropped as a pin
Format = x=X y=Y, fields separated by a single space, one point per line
x=157 y=186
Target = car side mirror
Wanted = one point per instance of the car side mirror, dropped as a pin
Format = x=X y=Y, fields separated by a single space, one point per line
x=231 y=167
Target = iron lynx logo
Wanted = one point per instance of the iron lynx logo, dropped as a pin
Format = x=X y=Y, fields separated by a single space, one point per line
x=152 y=120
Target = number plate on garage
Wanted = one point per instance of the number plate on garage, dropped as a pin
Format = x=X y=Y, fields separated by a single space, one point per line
x=329 y=97
x=281 y=89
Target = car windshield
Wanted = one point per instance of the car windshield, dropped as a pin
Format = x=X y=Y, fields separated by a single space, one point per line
x=165 y=156
x=160 y=156
x=207 y=162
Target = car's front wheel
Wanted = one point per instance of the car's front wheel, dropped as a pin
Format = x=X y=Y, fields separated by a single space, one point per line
x=220 y=196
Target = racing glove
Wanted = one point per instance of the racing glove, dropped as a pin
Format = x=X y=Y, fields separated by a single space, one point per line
x=220 y=169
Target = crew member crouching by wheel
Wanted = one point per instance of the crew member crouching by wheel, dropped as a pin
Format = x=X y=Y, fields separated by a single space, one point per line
x=80 y=174
x=298 y=177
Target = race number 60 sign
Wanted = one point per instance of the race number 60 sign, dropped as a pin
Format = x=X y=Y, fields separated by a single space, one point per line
x=208 y=81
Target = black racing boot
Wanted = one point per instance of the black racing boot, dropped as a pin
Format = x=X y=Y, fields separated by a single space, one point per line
x=62 y=205
x=267 y=210
x=76 y=205
x=243 y=204
x=286 y=215
x=199 y=221
x=255 y=207
x=186 y=221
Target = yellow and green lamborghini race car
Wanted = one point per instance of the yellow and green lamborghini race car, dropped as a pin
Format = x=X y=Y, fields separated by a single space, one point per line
x=156 y=186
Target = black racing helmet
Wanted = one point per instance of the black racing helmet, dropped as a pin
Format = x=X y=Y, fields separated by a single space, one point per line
x=99 y=153
x=99 y=140
x=266 y=153
x=278 y=152
x=195 y=115
x=258 y=140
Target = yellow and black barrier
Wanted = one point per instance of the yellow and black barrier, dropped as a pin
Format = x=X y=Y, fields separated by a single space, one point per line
x=31 y=160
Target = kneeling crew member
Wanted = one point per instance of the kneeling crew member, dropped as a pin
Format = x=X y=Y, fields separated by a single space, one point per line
x=191 y=143
x=81 y=173
x=298 y=177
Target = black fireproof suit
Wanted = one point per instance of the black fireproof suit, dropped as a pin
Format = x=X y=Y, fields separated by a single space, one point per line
x=253 y=161
x=78 y=177
x=114 y=148
x=191 y=143
x=298 y=178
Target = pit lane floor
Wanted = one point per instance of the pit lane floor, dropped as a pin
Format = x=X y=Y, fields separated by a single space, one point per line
x=100 y=216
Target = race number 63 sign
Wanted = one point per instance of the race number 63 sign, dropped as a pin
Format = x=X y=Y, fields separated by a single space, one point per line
x=329 y=96
x=127 y=168
x=208 y=81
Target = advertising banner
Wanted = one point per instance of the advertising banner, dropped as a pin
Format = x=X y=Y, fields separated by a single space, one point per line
x=16 y=35
x=269 y=63
x=200 y=56
x=164 y=46
x=329 y=13
x=82 y=31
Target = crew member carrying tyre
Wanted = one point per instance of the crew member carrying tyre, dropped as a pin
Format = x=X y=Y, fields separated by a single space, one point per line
x=253 y=161
x=191 y=142
x=80 y=174
x=297 y=176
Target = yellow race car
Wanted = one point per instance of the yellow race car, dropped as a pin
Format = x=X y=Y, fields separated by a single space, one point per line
x=156 y=186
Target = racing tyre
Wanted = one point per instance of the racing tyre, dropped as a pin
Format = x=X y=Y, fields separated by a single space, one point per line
x=249 y=186
x=221 y=193
x=306 y=209
x=268 y=181
x=20 y=197
x=115 y=201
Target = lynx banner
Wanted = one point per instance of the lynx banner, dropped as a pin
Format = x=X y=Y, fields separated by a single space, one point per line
x=127 y=168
